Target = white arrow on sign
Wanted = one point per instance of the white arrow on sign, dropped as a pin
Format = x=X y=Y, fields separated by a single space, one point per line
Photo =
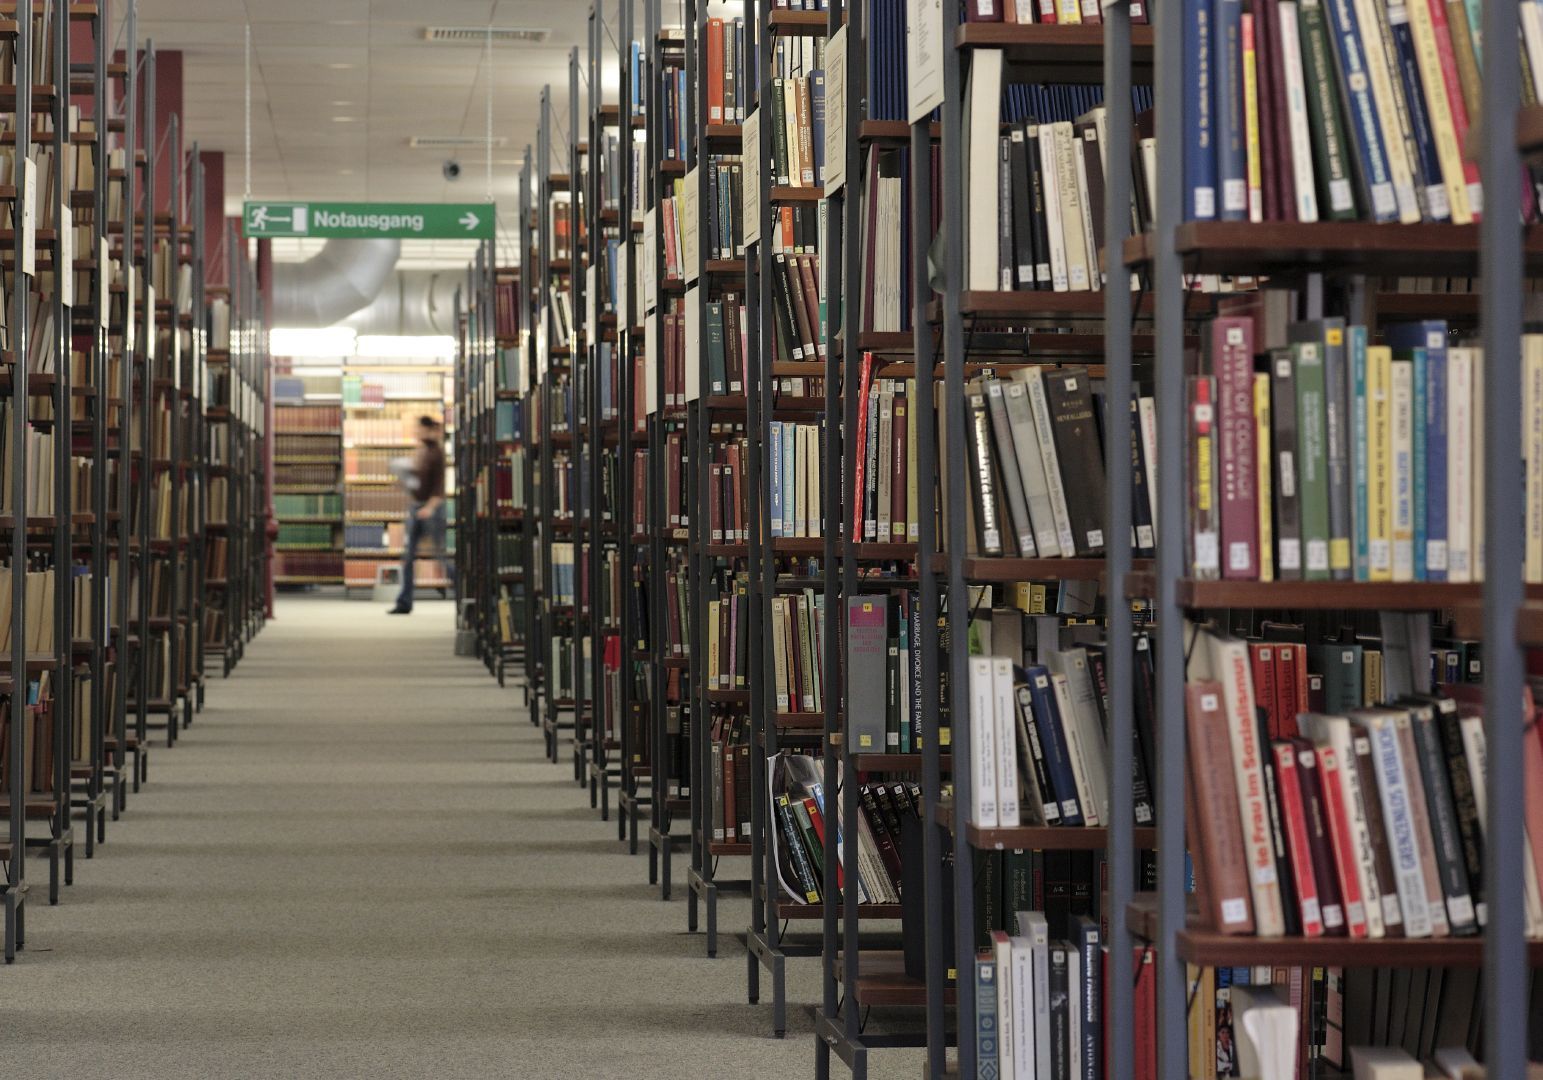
x=469 y=220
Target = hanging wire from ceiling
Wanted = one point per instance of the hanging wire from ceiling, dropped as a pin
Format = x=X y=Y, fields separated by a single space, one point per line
x=248 y=58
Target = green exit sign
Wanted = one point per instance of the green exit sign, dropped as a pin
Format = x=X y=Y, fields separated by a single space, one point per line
x=405 y=221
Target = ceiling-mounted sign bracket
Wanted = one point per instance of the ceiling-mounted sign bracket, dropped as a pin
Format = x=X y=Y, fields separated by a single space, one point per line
x=404 y=221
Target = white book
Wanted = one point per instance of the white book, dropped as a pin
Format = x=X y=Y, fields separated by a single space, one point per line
x=885 y=448
x=1002 y=953
x=1378 y=725
x=1031 y=467
x=1096 y=277
x=1149 y=450
x=1039 y=406
x=1380 y=72
x=1402 y=487
x=1074 y=976
x=1266 y=1033
x=1476 y=454
x=1005 y=735
x=1335 y=731
x=1460 y=465
x=1301 y=146
x=1034 y=926
x=982 y=210
x=1472 y=729
x=1081 y=774
x=1532 y=446
x=814 y=503
x=983 y=756
x=1055 y=233
x=1067 y=154
x=1073 y=664
x=1022 y=978
x=1532 y=35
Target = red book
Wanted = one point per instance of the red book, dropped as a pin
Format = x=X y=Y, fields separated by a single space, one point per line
x=816 y=820
x=864 y=379
x=1146 y=1013
x=1454 y=92
x=1287 y=703
x=1232 y=363
x=983 y=11
x=1294 y=822
x=715 y=71
x=1261 y=656
x=1341 y=840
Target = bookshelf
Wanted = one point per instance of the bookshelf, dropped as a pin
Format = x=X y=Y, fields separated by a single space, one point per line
x=308 y=457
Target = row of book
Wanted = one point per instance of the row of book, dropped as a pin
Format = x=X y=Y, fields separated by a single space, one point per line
x=798 y=306
x=301 y=446
x=308 y=506
x=729 y=66
x=729 y=773
x=1336 y=110
x=887 y=235
x=287 y=474
x=1366 y=822
x=376 y=502
x=794 y=478
x=509 y=493
x=728 y=522
x=885 y=471
x=798 y=651
x=806 y=822
x=305 y=534
x=727 y=630
x=724 y=176
x=1323 y=456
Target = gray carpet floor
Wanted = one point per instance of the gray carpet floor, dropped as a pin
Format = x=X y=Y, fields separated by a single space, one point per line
x=358 y=864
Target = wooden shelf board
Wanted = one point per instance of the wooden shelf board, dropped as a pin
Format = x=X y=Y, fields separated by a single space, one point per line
x=1318 y=595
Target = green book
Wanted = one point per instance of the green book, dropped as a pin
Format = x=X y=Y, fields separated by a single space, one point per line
x=717 y=374
x=1325 y=120
x=779 y=120
x=1343 y=674
x=1312 y=458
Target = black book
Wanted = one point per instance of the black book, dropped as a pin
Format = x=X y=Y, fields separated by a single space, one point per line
x=1023 y=214
x=1060 y=1011
x=914 y=921
x=1006 y=459
x=1445 y=833
x=1079 y=454
x=1006 y=249
x=1464 y=802
x=1144 y=535
x=1284 y=469
x=783 y=303
x=1039 y=231
x=1283 y=873
x=1142 y=799
x=1085 y=138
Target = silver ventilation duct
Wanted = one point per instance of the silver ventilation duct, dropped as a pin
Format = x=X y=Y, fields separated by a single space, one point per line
x=415 y=302
x=341 y=278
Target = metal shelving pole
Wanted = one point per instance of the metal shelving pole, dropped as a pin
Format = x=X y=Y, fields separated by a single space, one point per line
x=1119 y=985
x=528 y=338
x=626 y=343
x=1168 y=343
x=953 y=195
x=544 y=445
x=124 y=657
x=16 y=879
x=199 y=551
x=143 y=359
x=102 y=712
x=1502 y=266
x=175 y=563
x=594 y=449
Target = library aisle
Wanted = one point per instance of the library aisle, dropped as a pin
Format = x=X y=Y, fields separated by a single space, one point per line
x=363 y=866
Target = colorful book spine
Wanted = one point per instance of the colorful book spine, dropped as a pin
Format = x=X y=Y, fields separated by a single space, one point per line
x=1199 y=114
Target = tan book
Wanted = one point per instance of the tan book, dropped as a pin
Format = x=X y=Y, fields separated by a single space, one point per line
x=1211 y=815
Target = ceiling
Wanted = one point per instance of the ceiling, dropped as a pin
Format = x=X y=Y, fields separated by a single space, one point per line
x=340 y=86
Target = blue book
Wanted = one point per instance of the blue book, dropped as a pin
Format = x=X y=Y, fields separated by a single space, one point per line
x=1199 y=121
x=774 y=477
x=986 y=1057
x=1230 y=126
x=1432 y=192
x=1356 y=95
x=817 y=123
x=790 y=481
x=1418 y=439
x=1430 y=337
x=1355 y=340
x=1052 y=739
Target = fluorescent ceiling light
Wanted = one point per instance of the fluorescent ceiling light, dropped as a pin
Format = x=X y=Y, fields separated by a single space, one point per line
x=332 y=341
x=428 y=347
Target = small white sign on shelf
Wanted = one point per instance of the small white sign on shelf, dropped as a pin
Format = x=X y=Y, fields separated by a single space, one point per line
x=693 y=344
x=751 y=183
x=650 y=363
x=541 y=350
x=836 y=112
x=65 y=272
x=29 y=217
x=623 y=284
x=150 y=323
x=925 y=40
x=130 y=330
x=690 y=212
x=651 y=260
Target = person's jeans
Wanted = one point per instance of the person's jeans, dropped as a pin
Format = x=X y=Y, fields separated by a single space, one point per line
x=432 y=527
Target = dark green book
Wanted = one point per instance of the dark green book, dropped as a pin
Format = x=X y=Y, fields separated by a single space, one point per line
x=1325 y=121
x=779 y=133
x=1343 y=676
x=717 y=374
x=1312 y=458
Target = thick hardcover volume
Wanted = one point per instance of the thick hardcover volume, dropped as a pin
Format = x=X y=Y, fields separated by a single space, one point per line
x=1377 y=834
x=1312 y=458
x=867 y=652
x=982 y=119
x=1228 y=658
x=1446 y=834
x=1330 y=141
x=1087 y=937
x=1033 y=379
x=1005 y=738
x=1031 y=468
x=1232 y=363
x=1047 y=722
x=1231 y=136
x=1288 y=503
x=1199 y=118
x=1330 y=334
x=983 y=487
x=1464 y=802
x=1007 y=464
x=1341 y=840
x=1215 y=835
x=1431 y=422
x=1354 y=82
x=1080 y=453
x=983 y=753
x=1378 y=727
x=1041 y=806
x=1419 y=813
x=1294 y=819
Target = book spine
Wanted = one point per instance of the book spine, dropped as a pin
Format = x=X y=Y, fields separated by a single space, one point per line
x=1283 y=407
x=1330 y=141
x=1445 y=833
x=1398 y=817
x=1298 y=125
x=1402 y=457
x=1199 y=117
x=1337 y=432
x=1204 y=534
x=1232 y=354
x=1380 y=495
x=1341 y=841
x=1294 y=821
x=1231 y=136
x=1254 y=151
x=1355 y=89
x=1460 y=465
x=1437 y=193
x=1312 y=457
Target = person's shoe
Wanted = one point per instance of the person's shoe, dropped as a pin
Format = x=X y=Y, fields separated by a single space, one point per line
x=400 y=611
